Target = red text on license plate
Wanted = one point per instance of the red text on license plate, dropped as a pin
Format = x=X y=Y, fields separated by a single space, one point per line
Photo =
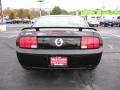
x=58 y=60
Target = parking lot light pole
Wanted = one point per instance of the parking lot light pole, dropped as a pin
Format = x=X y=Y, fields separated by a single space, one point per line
x=2 y=26
x=40 y=1
x=102 y=9
x=1 y=12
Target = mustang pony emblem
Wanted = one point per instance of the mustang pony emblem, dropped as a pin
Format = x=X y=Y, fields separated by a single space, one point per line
x=59 y=42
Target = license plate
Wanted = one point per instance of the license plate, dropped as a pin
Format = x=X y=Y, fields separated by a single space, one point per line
x=58 y=61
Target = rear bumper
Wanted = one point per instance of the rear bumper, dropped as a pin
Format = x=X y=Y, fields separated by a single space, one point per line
x=76 y=59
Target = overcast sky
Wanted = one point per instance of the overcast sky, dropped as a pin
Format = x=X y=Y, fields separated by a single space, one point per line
x=65 y=4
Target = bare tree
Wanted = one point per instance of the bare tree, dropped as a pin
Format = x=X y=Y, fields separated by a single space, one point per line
x=1 y=13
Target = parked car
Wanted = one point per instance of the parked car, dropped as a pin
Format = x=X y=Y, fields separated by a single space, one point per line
x=106 y=22
x=9 y=21
x=26 y=21
x=93 y=22
x=59 y=42
x=17 y=21
x=116 y=21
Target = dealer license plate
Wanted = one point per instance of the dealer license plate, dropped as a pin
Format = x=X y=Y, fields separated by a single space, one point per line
x=58 y=61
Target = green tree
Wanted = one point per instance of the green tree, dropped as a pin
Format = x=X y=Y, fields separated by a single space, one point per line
x=12 y=15
x=109 y=11
x=20 y=13
x=95 y=11
x=33 y=13
x=64 y=11
x=56 y=10
x=7 y=11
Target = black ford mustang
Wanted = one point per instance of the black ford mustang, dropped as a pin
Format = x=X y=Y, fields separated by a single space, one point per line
x=59 y=42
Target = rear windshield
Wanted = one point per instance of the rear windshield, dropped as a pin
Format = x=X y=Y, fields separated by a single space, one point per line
x=51 y=21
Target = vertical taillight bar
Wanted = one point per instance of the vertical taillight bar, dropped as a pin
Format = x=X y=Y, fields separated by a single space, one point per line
x=28 y=42
x=90 y=42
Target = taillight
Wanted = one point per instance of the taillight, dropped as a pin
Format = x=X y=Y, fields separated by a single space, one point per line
x=90 y=42
x=28 y=42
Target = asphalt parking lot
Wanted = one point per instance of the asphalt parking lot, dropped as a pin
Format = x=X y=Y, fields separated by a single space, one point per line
x=105 y=77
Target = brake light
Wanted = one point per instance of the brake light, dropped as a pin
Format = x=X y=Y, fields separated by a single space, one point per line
x=90 y=42
x=28 y=42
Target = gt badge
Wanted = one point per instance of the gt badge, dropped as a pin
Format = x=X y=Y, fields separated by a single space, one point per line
x=59 y=42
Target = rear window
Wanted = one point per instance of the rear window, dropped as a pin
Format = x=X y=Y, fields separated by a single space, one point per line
x=56 y=21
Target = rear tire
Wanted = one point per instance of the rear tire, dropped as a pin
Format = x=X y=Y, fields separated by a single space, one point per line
x=105 y=25
x=119 y=25
x=96 y=25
